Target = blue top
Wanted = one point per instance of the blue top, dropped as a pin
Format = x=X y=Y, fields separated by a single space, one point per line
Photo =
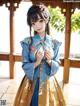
x=29 y=49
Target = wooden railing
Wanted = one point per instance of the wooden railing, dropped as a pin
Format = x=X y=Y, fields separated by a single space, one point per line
x=18 y=58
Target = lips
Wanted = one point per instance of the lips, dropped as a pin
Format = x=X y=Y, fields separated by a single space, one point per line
x=39 y=29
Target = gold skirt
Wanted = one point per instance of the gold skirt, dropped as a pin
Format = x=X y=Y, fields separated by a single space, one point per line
x=24 y=93
x=50 y=95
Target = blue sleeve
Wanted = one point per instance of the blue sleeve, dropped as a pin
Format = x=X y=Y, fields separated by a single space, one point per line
x=27 y=65
x=55 y=61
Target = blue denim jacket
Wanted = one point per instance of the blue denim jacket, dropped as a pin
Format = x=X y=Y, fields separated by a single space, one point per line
x=29 y=49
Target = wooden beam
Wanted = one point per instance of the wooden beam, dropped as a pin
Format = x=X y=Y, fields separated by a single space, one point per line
x=18 y=58
x=59 y=3
x=4 y=57
x=75 y=63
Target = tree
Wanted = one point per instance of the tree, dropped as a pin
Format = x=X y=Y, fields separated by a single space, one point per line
x=58 y=20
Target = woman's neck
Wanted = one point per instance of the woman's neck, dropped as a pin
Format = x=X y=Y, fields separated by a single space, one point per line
x=42 y=34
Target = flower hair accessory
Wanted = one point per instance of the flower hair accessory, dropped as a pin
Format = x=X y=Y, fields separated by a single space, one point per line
x=45 y=12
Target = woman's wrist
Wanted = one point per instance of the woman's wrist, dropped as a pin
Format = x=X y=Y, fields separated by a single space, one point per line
x=36 y=63
x=49 y=62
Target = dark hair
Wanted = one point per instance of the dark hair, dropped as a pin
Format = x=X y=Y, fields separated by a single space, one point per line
x=36 y=11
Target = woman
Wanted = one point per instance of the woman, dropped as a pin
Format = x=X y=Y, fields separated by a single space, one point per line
x=40 y=58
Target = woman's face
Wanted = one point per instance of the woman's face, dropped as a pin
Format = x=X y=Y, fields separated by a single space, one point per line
x=39 y=26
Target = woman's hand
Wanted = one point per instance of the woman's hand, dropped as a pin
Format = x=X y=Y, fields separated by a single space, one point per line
x=39 y=57
x=48 y=56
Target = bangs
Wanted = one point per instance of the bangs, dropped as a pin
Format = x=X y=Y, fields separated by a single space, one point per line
x=34 y=17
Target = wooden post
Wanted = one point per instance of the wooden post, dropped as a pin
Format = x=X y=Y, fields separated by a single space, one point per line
x=67 y=45
x=11 y=6
x=11 y=57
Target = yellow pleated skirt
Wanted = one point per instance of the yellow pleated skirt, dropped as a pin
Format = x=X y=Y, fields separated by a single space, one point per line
x=49 y=95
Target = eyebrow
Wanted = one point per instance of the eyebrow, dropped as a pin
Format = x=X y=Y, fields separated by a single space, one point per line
x=36 y=20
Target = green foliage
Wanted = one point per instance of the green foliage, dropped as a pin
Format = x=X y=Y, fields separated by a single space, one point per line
x=58 y=20
x=75 y=21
